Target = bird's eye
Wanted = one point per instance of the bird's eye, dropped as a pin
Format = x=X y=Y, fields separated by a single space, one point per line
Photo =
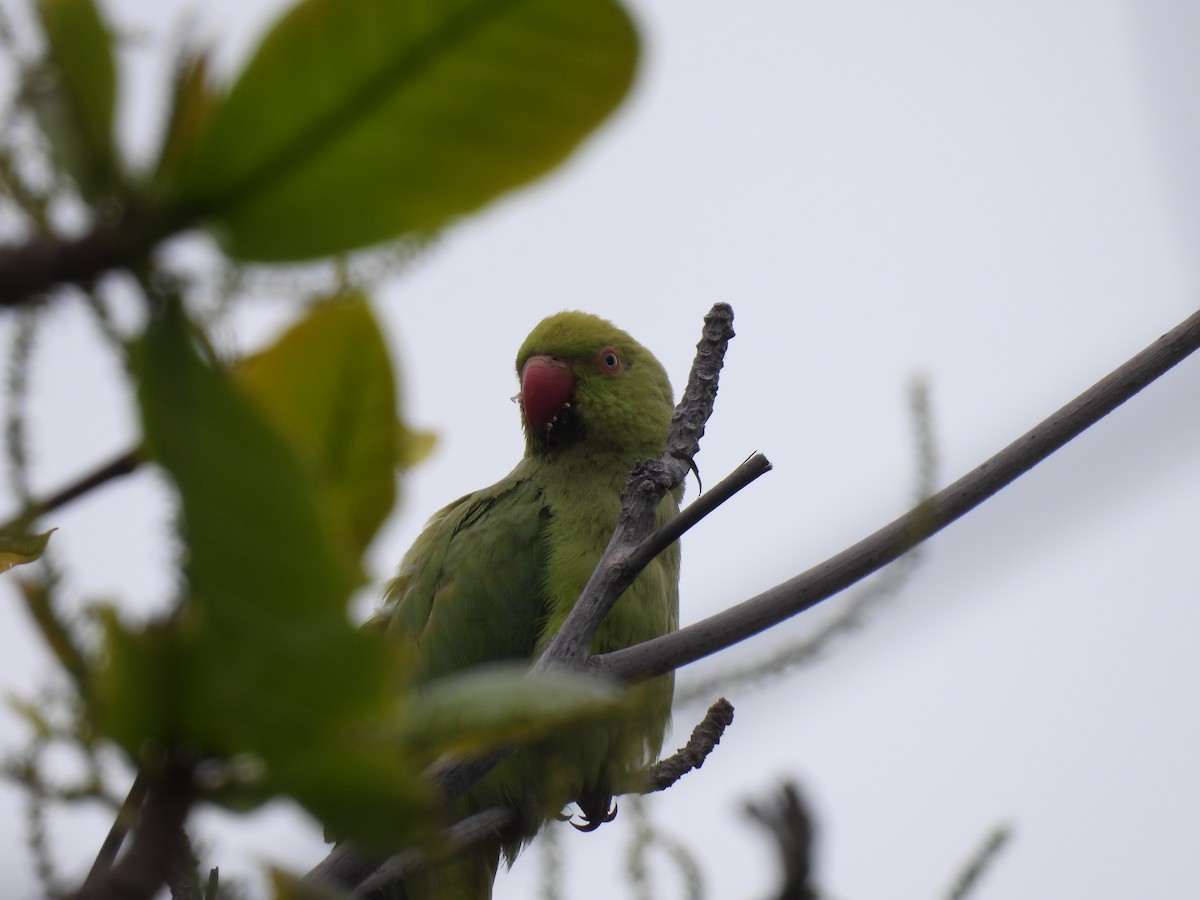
x=609 y=361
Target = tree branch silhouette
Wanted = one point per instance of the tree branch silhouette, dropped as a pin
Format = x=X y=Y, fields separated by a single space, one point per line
x=669 y=652
x=980 y=862
x=124 y=463
x=46 y=260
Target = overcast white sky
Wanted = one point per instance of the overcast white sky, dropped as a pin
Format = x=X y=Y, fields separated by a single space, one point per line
x=1002 y=196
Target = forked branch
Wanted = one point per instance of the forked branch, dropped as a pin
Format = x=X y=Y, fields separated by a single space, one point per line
x=667 y=653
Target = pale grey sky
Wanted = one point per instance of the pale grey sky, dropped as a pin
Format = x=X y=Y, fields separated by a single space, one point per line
x=1000 y=195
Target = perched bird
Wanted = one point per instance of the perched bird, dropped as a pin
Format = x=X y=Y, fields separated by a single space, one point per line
x=494 y=574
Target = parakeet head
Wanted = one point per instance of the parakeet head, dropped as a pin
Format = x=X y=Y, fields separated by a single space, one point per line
x=585 y=382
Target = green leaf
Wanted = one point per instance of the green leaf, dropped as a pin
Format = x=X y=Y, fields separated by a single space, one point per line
x=327 y=385
x=138 y=689
x=19 y=549
x=193 y=102
x=496 y=705
x=77 y=97
x=358 y=121
x=413 y=446
x=253 y=524
x=261 y=668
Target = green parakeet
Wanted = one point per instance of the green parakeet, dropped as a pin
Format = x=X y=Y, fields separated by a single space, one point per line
x=495 y=573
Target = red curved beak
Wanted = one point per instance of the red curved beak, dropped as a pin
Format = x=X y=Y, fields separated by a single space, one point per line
x=546 y=387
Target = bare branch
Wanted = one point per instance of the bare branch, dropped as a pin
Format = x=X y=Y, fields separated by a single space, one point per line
x=647 y=837
x=471 y=830
x=159 y=848
x=125 y=463
x=783 y=601
x=17 y=387
x=115 y=838
x=649 y=482
x=346 y=866
x=865 y=597
x=29 y=270
x=787 y=818
x=704 y=739
x=717 y=632
x=754 y=466
x=969 y=878
x=369 y=875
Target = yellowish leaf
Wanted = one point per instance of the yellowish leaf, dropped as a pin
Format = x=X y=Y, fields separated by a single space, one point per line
x=17 y=550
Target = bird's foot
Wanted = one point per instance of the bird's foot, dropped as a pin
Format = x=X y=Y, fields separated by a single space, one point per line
x=595 y=811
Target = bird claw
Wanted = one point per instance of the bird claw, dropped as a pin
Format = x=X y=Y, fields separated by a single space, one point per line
x=695 y=470
x=591 y=824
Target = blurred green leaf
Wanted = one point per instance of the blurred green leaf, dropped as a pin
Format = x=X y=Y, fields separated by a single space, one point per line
x=499 y=705
x=193 y=102
x=252 y=523
x=76 y=93
x=327 y=384
x=19 y=549
x=261 y=664
x=361 y=120
x=138 y=686
x=413 y=446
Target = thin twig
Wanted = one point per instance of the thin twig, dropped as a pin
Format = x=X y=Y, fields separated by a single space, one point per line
x=865 y=597
x=669 y=652
x=648 y=484
x=125 y=463
x=492 y=821
x=981 y=860
x=45 y=261
x=647 y=837
x=469 y=831
x=703 y=740
x=115 y=838
x=16 y=440
x=29 y=772
x=159 y=846
x=754 y=466
x=787 y=818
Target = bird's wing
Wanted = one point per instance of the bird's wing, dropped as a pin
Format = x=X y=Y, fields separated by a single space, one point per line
x=470 y=588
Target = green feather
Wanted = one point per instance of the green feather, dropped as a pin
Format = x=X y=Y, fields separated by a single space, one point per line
x=495 y=573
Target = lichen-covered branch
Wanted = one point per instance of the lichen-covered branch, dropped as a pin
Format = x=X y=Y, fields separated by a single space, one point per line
x=648 y=484
x=703 y=740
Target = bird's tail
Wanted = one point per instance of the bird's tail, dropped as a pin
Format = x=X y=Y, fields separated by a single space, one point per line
x=467 y=875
